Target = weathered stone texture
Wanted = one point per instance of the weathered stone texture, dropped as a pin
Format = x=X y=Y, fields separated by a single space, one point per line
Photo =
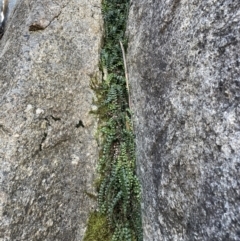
x=184 y=69
x=48 y=152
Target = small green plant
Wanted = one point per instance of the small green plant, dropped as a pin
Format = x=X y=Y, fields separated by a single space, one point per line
x=98 y=229
x=118 y=186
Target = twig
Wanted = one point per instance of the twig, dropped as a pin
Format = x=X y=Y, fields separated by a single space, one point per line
x=127 y=82
x=126 y=73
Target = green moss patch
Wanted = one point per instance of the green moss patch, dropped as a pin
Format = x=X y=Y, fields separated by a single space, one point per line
x=98 y=229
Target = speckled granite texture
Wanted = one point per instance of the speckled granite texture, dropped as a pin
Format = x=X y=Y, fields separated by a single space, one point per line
x=48 y=55
x=184 y=70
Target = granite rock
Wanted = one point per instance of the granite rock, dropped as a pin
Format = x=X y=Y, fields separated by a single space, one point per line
x=48 y=56
x=184 y=71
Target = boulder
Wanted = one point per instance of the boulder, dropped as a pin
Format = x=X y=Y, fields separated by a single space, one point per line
x=48 y=56
x=184 y=71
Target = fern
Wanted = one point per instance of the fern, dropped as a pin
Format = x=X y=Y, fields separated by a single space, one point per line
x=118 y=186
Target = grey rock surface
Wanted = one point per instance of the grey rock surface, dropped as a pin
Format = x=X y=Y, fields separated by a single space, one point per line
x=48 y=152
x=184 y=70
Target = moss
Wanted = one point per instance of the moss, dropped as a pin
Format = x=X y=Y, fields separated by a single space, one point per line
x=97 y=229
